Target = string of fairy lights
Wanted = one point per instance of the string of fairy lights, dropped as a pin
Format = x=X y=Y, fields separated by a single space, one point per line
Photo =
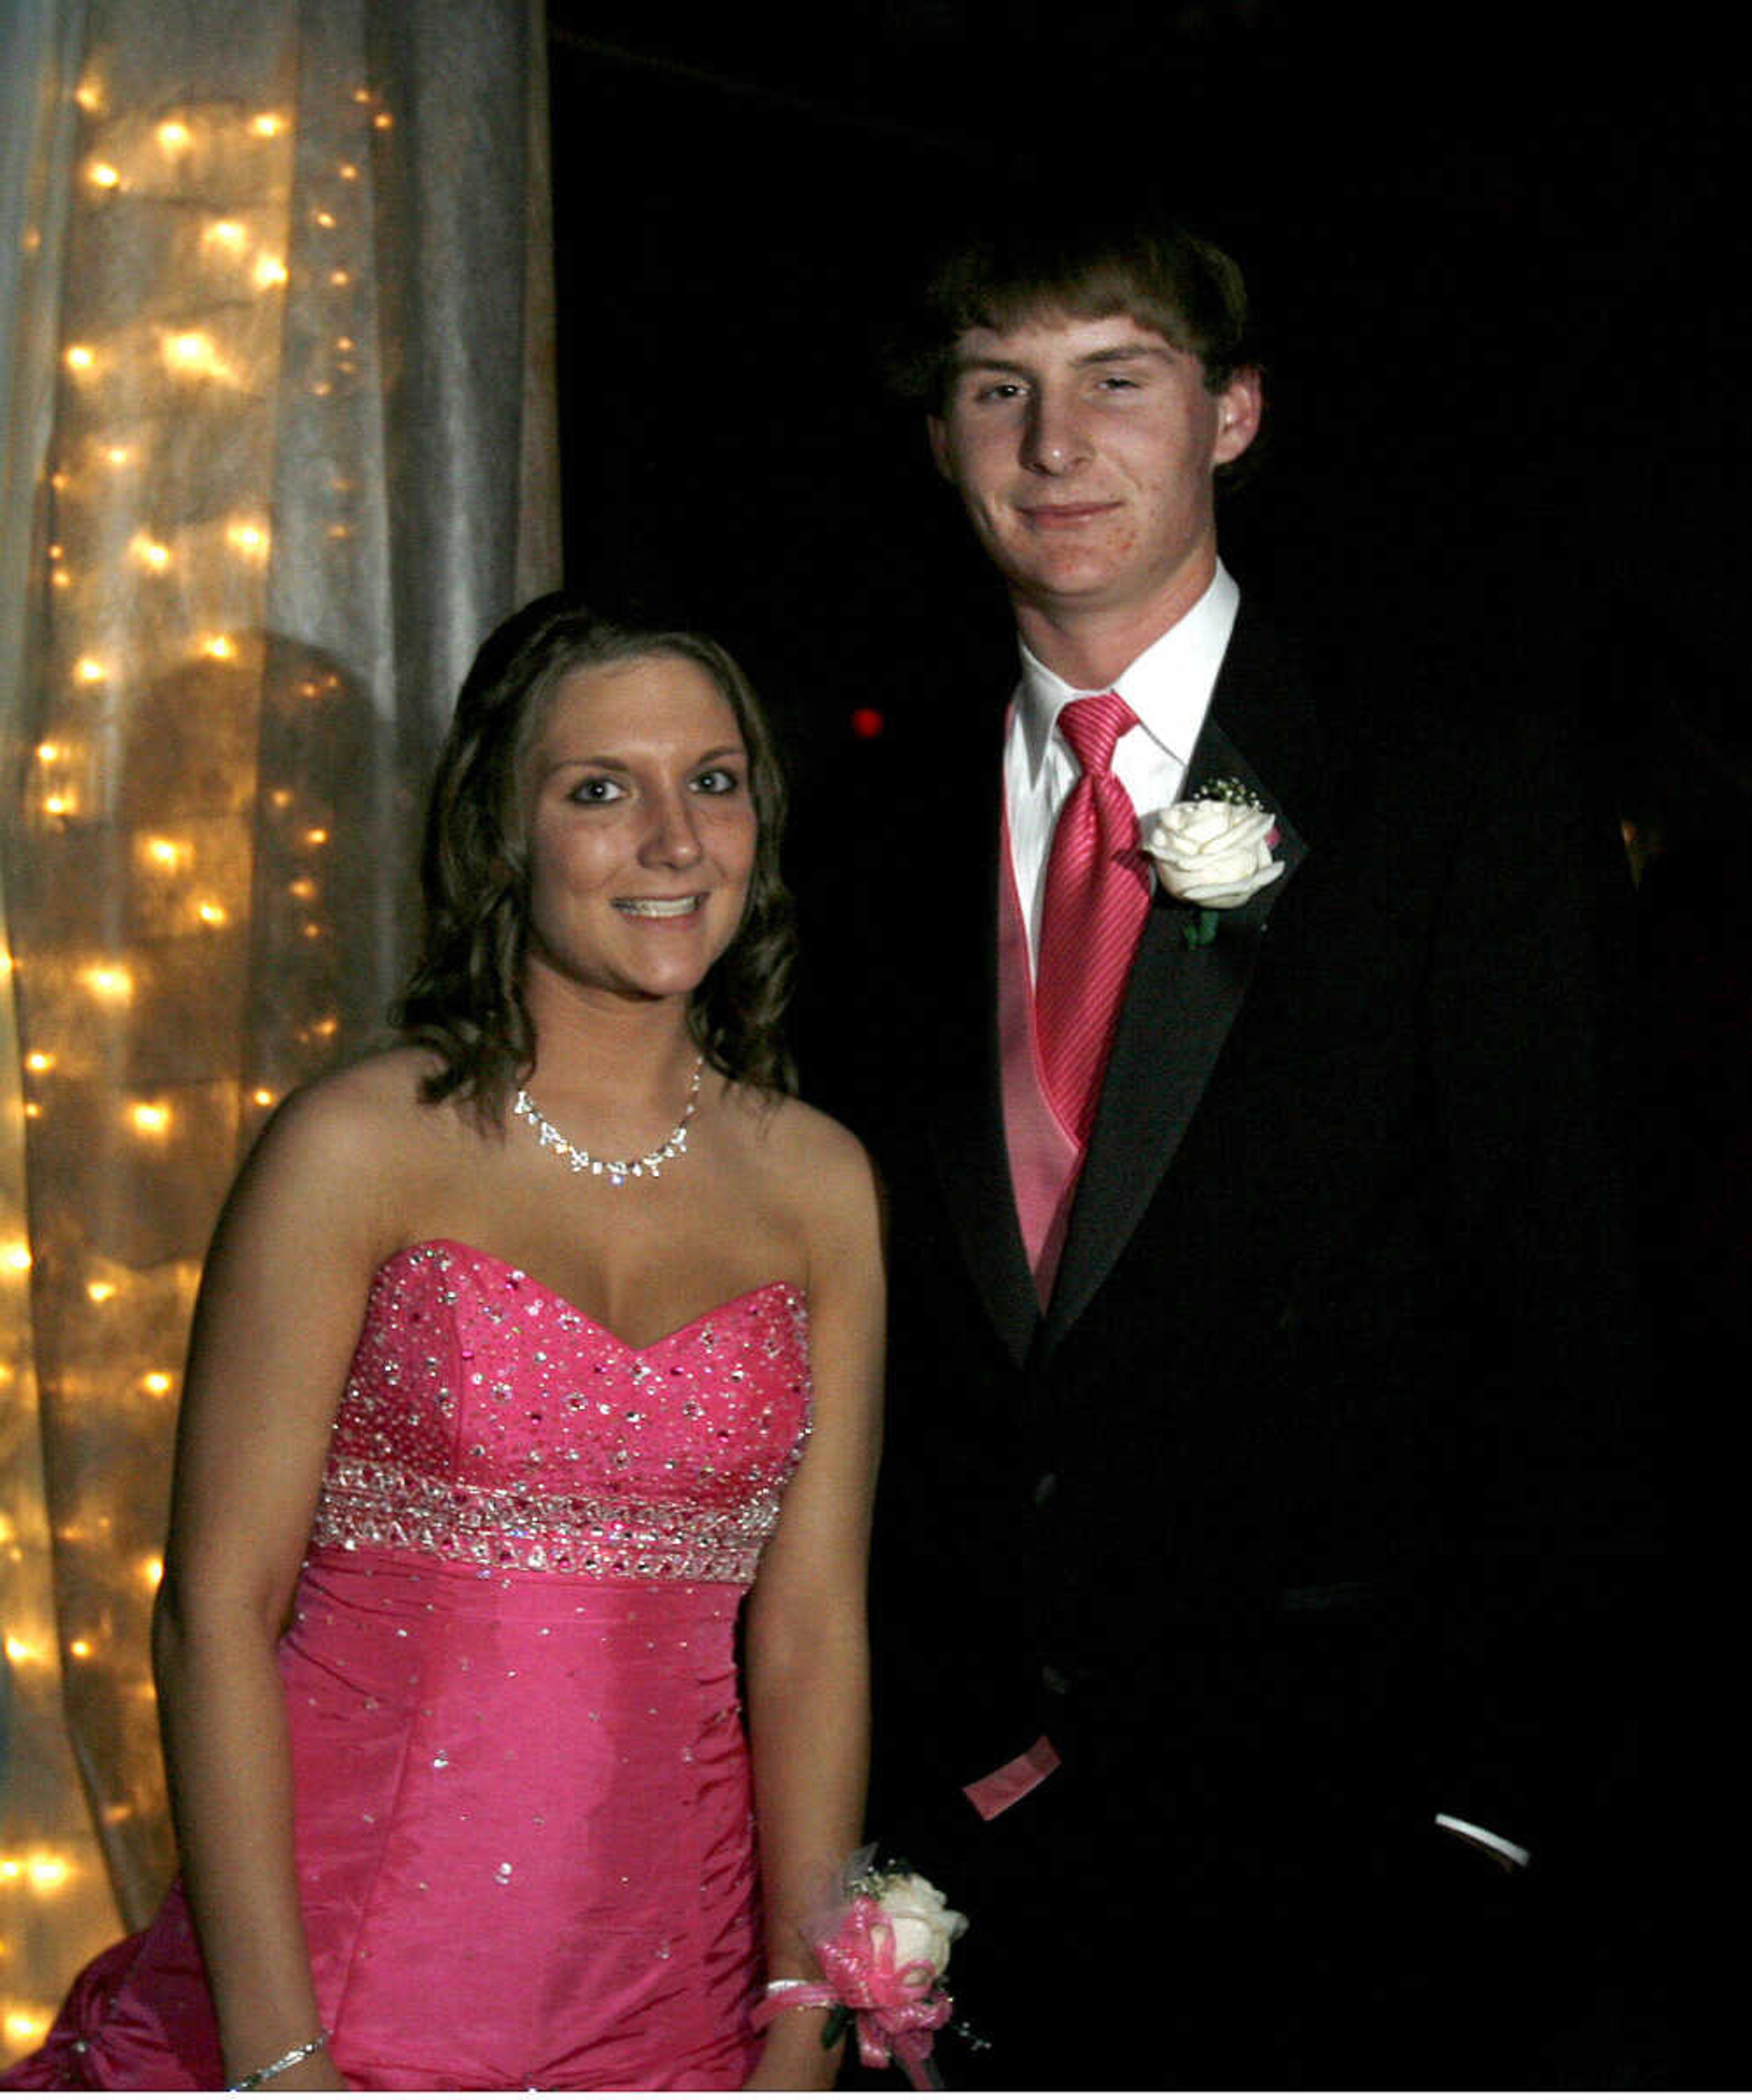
x=148 y=830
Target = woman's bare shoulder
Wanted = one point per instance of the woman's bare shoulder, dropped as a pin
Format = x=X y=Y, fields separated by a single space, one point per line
x=366 y=1122
x=821 y=1166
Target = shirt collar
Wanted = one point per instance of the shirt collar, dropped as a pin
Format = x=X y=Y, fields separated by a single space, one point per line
x=1168 y=688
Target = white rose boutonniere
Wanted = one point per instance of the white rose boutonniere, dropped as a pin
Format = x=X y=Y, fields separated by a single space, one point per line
x=1212 y=851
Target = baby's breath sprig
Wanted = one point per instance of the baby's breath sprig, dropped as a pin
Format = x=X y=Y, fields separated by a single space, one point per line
x=1228 y=789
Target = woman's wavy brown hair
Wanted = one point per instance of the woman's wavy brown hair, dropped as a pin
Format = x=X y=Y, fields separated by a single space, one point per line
x=464 y=1000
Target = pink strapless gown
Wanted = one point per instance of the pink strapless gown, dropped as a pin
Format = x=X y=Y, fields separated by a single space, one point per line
x=524 y=1834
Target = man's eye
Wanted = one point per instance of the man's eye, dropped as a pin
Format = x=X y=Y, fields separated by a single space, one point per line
x=999 y=389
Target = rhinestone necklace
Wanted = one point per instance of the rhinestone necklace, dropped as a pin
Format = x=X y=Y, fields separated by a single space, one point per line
x=618 y=1172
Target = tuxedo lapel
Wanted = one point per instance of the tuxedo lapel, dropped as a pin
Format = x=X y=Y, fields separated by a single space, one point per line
x=1180 y=1003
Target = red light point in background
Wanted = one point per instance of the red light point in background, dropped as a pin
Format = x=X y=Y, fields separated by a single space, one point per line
x=867 y=721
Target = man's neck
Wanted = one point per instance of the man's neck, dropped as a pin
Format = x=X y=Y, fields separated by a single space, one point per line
x=1089 y=647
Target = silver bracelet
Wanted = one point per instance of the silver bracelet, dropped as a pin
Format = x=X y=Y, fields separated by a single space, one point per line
x=255 y=2078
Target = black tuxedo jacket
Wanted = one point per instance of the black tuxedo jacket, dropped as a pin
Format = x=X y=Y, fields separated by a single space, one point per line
x=1306 y=1503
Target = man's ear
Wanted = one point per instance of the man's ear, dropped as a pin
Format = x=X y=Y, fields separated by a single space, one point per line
x=1239 y=408
x=937 y=431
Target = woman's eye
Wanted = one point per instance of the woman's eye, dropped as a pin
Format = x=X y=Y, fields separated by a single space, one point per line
x=716 y=780
x=597 y=789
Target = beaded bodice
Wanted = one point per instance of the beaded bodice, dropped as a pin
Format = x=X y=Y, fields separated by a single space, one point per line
x=486 y=1420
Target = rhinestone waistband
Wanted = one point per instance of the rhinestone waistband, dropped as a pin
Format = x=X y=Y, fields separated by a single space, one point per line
x=368 y=1502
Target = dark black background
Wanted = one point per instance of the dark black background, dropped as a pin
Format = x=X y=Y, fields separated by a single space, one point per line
x=1499 y=255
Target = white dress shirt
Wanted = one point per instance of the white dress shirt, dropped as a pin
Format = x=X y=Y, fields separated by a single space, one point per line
x=1168 y=688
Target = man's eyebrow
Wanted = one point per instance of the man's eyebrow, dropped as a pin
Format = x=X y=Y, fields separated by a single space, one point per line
x=1123 y=353
x=1115 y=353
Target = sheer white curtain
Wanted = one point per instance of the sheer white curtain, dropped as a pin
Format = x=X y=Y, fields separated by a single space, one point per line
x=276 y=448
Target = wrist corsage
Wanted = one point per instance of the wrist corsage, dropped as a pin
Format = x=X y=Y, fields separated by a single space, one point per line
x=882 y=1942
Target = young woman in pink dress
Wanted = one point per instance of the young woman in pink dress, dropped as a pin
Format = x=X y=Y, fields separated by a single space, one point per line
x=535 y=1358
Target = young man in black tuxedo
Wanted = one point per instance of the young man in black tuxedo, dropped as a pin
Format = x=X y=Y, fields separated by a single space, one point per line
x=1255 y=1503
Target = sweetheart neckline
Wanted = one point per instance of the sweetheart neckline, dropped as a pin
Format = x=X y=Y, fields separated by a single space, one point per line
x=632 y=1348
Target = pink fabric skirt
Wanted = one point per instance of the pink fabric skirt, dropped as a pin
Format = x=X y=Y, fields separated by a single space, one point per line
x=524 y=1839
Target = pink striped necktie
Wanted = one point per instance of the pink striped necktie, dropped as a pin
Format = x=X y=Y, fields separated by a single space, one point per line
x=1097 y=897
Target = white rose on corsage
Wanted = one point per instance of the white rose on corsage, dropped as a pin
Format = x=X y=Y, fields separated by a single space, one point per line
x=1213 y=851
x=882 y=1939
x=923 y=1925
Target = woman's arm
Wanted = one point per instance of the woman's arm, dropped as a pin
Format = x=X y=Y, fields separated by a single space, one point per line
x=278 y=1317
x=808 y=1660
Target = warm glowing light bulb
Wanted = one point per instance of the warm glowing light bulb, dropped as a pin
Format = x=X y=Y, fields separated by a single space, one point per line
x=149 y=552
x=316 y=836
x=103 y=175
x=59 y=805
x=248 y=537
x=48 y=752
x=304 y=889
x=263 y=1097
x=149 y=1118
x=270 y=271
x=220 y=647
x=191 y=350
x=40 y=1060
x=383 y=120
x=100 y=1290
x=89 y=96
x=81 y=357
x=267 y=125
x=23 y=2029
x=19 y=1650
x=46 y=1870
x=224 y=233
x=174 y=136
x=117 y=455
x=158 y=1382
x=168 y=854
x=16 y=1255
x=325 y=219
x=109 y=981
x=281 y=797
x=210 y=913
x=91 y=671
x=348 y=172
x=151 y=1567
x=339 y=278
x=80 y=1650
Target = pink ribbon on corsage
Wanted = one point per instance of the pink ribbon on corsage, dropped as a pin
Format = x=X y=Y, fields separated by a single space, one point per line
x=896 y=2007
